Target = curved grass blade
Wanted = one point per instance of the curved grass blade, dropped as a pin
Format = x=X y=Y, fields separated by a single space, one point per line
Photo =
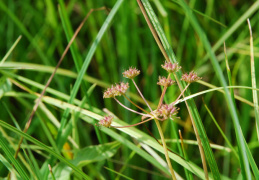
x=8 y=166
x=27 y=34
x=86 y=64
x=232 y=29
x=44 y=147
x=15 y=162
x=190 y=103
x=239 y=135
x=10 y=50
x=135 y=133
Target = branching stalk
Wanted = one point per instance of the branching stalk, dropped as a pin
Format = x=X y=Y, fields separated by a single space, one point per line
x=163 y=93
x=141 y=95
x=181 y=94
x=136 y=105
x=142 y=122
x=129 y=108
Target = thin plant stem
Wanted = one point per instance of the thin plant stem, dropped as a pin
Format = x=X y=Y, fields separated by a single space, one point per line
x=153 y=31
x=141 y=94
x=184 y=155
x=142 y=122
x=51 y=172
x=136 y=105
x=203 y=159
x=37 y=102
x=253 y=78
x=129 y=108
x=163 y=93
x=180 y=94
x=165 y=149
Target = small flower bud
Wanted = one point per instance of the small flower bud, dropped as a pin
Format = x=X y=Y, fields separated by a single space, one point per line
x=166 y=111
x=171 y=67
x=121 y=88
x=109 y=93
x=191 y=77
x=131 y=73
x=163 y=81
x=106 y=121
x=116 y=90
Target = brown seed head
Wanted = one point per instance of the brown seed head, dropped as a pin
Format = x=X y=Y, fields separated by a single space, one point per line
x=106 y=121
x=116 y=90
x=166 y=111
x=191 y=77
x=131 y=73
x=163 y=81
x=171 y=67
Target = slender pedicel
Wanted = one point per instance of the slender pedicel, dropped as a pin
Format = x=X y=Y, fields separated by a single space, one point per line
x=142 y=122
x=141 y=95
x=163 y=94
x=129 y=108
x=180 y=94
x=136 y=105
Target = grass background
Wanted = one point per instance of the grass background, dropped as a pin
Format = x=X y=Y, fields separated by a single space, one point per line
x=47 y=26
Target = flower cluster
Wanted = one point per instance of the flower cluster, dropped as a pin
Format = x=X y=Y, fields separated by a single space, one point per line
x=171 y=67
x=117 y=90
x=131 y=73
x=166 y=111
x=106 y=121
x=163 y=111
x=163 y=81
x=191 y=77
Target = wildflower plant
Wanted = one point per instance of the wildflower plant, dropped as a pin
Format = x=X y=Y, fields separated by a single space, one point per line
x=162 y=112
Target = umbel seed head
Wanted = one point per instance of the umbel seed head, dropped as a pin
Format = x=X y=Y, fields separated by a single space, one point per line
x=131 y=73
x=171 y=67
x=166 y=111
x=106 y=121
x=163 y=81
x=191 y=77
x=116 y=90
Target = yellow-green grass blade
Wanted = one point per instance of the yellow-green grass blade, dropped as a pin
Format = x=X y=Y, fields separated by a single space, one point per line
x=133 y=132
x=253 y=79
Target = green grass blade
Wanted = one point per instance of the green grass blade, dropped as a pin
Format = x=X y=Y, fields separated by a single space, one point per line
x=190 y=104
x=44 y=147
x=86 y=64
x=241 y=143
x=135 y=133
x=8 y=166
x=229 y=75
x=252 y=163
x=32 y=169
x=253 y=78
x=15 y=162
x=26 y=33
x=221 y=132
x=119 y=174
x=69 y=34
x=233 y=28
x=208 y=17
x=10 y=50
